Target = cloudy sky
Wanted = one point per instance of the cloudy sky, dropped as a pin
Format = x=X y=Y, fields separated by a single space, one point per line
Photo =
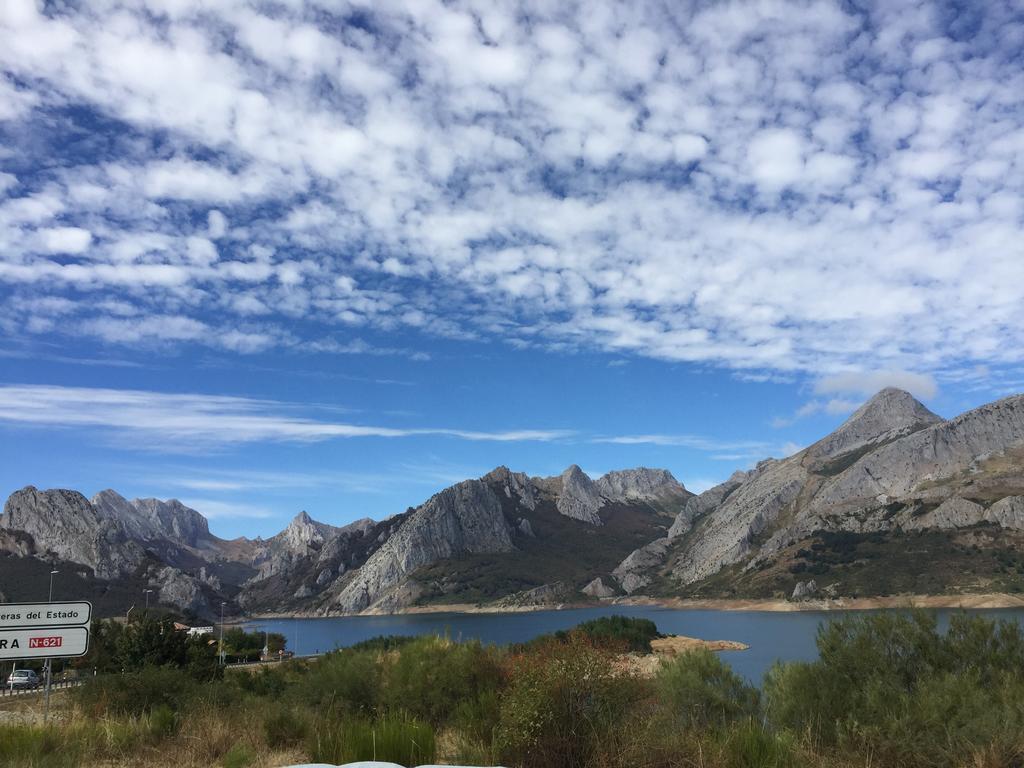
x=298 y=255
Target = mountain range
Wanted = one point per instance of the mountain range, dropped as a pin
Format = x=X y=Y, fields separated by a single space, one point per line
x=895 y=500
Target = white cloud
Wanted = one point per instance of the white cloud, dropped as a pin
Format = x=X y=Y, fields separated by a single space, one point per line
x=869 y=382
x=685 y=441
x=779 y=187
x=189 y=421
x=776 y=157
x=215 y=509
x=69 y=240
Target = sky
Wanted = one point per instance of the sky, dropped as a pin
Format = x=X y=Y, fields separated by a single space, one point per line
x=267 y=257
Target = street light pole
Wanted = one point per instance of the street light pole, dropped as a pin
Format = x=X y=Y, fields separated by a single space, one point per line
x=49 y=662
x=52 y=574
x=220 y=651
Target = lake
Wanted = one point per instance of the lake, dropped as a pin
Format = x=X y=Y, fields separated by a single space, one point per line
x=771 y=635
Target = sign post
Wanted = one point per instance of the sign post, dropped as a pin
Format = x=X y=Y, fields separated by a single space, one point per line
x=44 y=631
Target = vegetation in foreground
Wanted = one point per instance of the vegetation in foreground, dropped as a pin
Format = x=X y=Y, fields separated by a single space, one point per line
x=889 y=689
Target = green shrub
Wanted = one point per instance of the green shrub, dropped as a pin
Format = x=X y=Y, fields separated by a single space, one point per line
x=749 y=745
x=344 y=681
x=701 y=690
x=239 y=756
x=284 y=728
x=562 y=702
x=383 y=643
x=136 y=692
x=163 y=721
x=433 y=677
x=621 y=631
x=618 y=633
x=891 y=685
x=28 y=746
x=396 y=739
x=265 y=682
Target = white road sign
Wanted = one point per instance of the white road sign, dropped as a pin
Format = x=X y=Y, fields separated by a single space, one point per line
x=20 y=615
x=43 y=642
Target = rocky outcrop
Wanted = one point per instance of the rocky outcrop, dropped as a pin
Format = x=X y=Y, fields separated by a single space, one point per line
x=306 y=541
x=890 y=414
x=702 y=503
x=65 y=524
x=466 y=518
x=579 y=497
x=597 y=588
x=146 y=519
x=179 y=590
x=555 y=593
x=1007 y=513
x=725 y=536
x=930 y=455
x=514 y=485
x=804 y=590
x=636 y=570
x=952 y=513
x=641 y=484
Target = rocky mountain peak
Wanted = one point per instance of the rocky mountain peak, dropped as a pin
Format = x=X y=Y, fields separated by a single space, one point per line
x=579 y=497
x=66 y=524
x=889 y=414
x=514 y=485
x=304 y=532
x=640 y=484
x=145 y=519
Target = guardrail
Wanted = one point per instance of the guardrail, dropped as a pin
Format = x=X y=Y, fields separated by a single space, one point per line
x=55 y=685
x=62 y=684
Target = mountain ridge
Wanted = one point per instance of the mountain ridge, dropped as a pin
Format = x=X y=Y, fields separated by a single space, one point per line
x=843 y=509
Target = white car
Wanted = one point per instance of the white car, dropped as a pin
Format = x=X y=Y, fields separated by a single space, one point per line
x=22 y=678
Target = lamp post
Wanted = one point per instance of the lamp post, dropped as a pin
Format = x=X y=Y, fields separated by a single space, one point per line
x=52 y=574
x=220 y=650
x=49 y=663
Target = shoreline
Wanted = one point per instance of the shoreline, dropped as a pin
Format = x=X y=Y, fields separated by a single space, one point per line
x=978 y=601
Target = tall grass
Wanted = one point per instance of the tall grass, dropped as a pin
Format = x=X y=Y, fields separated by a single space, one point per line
x=393 y=739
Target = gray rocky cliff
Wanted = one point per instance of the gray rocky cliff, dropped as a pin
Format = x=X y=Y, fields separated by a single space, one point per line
x=597 y=588
x=890 y=414
x=636 y=570
x=699 y=505
x=180 y=590
x=930 y=455
x=515 y=485
x=144 y=519
x=466 y=518
x=308 y=542
x=724 y=536
x=64 y=523
x=579 y=497
x=641 y=484
x=892 y=464
x=1007 y=513
x=952 y=513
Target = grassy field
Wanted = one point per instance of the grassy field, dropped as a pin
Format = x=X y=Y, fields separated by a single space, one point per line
x=888 y=690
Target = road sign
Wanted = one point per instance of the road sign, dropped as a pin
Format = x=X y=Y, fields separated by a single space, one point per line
x=44 y=630
x=22 y=615
x=43 y=642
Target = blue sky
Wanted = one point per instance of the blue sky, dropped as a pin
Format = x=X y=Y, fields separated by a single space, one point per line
x=272 y=257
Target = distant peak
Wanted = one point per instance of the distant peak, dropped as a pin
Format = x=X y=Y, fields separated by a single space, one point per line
x=895 y=404
x=302 y=517
x=574 y=470
x=891 y=412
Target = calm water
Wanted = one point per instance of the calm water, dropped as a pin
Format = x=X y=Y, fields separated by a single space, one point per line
x=771 y=636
